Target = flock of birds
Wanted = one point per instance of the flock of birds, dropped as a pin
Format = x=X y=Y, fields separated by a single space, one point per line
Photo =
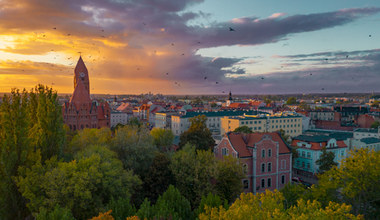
x=205 y=78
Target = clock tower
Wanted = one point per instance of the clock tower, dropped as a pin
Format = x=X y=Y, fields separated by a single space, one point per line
x=81 y=74
x=81 y=111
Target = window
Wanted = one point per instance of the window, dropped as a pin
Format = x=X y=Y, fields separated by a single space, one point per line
x=308 y=154
x=303 y=164
x=250 y=122
x=263 y=153
x=262 y=183
x=255 y=122
x=224 y=151
x=263 y=167
x=269 y=152
x=269 y=167
x=308 y=165
x=269 y=182
x=283 y=164
x=246 y=184
x=245 y=168
x=283 y=179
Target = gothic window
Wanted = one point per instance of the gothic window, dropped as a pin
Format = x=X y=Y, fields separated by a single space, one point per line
x=283 y=179
x=246 y=184
x=269 y=182
x=263 y=167
x=262 y=183
x=269 y=167
x=269 y=152
x=263 y=153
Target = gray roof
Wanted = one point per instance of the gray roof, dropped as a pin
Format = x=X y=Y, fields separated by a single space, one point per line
x=218 y=113
x=370 y=140
x=367 y=130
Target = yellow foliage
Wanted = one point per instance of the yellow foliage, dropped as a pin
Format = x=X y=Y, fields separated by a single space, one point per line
x=104 y=216
x=269 y=205
x=132 y=218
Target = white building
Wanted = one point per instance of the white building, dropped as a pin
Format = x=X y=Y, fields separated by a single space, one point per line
x=118 y=118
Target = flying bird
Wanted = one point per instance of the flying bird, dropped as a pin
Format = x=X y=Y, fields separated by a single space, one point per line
x=167 y=73
x=231 y=29
x=68 y=34
x=205 y=77
x=369 y=35
x=54 y=28
x=216 y=82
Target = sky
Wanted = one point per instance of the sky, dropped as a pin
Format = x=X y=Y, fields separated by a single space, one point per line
x=192 y=46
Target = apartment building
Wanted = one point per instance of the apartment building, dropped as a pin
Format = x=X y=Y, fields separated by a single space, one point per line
x=289 y=122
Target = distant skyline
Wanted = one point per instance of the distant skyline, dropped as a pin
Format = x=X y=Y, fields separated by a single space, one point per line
x=192 y=46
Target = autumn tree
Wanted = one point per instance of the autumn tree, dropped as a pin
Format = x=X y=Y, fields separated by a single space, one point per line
x=162 y=138
x=210 y=201
x=134 y=147
x=121 y=208
x=355 y=182
x=326 y=161
x=269 y=205
x=84 y=185
x=198 y=134
x=198 y=173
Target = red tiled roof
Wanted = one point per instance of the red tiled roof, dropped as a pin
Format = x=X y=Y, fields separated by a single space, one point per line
x=238 y=143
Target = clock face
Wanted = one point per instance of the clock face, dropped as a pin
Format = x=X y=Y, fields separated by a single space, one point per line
x=81 y=74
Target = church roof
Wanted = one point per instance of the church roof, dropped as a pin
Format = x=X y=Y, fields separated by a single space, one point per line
x=80 y=95
x=80 y=67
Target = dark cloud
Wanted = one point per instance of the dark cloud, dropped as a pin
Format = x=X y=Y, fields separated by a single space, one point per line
x=143 y=39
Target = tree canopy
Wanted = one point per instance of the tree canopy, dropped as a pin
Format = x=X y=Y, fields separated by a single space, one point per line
x=243 y=129
x=198 y=134
x=326 y=161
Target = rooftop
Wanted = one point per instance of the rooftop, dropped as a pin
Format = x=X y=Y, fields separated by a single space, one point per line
x=367 y=130
x=370 y=140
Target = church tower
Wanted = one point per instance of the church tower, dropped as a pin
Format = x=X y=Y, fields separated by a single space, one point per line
x=81 y=112
x=81 y=74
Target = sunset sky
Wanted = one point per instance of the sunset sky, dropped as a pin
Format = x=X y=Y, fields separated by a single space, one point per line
x=192 y=46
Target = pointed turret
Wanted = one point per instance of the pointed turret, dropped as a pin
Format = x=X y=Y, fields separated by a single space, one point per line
x=81 y=74
x=80 y=96
x=230 y=96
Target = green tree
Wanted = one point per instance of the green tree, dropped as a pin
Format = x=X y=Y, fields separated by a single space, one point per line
x=304 y=106
x=134 y=146
x=172 y=205
x=87 y=137
x=355 y=182
x=291 y=101
x=229 y=178
x=294 y=192
x=163 y=138
x=194 y=174
x=198 y=134
x=375 y=124
x=243 y=129
x=15 y=151
x=121 y=208
x=146 y=211
x=46 y=131
x=158 y=178
x=210 y=201
x=58 y=213
x=84 y=185
x=326 y=161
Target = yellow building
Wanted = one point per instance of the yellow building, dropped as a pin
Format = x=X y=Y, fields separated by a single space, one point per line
x=290 y=123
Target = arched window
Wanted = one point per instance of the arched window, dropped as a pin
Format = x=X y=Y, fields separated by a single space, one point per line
x=263 y=153
x=263 y=167
x=269 y=152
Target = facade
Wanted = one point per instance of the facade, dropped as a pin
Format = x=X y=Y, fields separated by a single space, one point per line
x=290 y=123
x=80 y=111
x=309 y=149
x=119 y=118
x=266 y=159
x=180 y=123
x=163 y=119
x=323 y=115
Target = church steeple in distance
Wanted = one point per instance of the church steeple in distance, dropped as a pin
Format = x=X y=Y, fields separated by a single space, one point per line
x=81 y=74
x=230 y=96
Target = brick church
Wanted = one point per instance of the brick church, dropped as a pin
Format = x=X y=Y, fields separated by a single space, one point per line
x=82 y=112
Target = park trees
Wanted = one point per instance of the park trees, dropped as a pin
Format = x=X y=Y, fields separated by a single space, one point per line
x=198 y=134
x=355 y=182
x=84 y=185
x=162 y=138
